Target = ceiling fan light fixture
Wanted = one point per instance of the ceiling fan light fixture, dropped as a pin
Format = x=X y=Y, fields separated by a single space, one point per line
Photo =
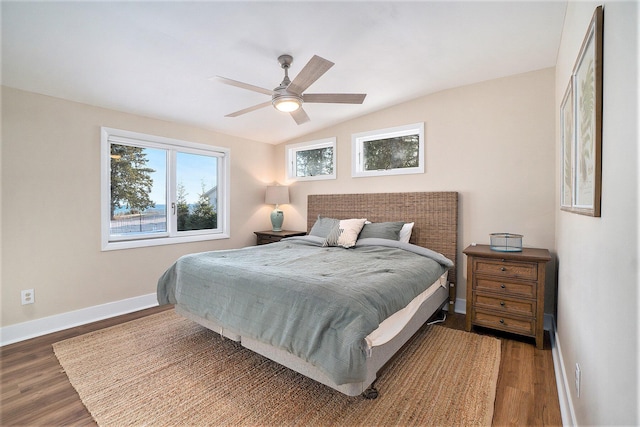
x=287 y=103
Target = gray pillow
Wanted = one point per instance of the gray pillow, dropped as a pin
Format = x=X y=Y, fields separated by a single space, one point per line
x=382 y=230
x=323 y=226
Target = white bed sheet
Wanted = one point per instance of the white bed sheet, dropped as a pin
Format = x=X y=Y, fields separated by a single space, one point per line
x=392 y=325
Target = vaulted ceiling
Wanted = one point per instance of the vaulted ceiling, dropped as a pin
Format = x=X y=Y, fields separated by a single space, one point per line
x=157 y=58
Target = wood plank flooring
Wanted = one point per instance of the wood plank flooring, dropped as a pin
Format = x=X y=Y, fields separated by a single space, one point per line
x=526 y=394
x=35 y=390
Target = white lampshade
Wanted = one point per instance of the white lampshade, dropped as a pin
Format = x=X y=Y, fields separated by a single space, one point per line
x=277 y=195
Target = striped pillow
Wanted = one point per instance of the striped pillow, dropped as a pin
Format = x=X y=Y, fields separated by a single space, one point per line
x=345 y=233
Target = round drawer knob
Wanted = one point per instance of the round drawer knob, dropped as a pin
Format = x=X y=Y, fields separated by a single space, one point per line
x=502 y=303
x=503 y=268
x=502 y=286
x=502 y=321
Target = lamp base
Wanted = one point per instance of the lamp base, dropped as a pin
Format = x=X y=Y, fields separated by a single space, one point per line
x=277 y=218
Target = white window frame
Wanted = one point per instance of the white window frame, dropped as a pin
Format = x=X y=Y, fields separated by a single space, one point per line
x=172 y=236
x=290 y=158
x=357 y=146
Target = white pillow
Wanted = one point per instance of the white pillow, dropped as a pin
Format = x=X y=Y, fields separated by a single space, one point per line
x=345 y=233
x=405 y=232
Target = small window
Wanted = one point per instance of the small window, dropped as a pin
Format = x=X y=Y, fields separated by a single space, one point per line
x=158 y=191
x=392 y=151
x=311 y=160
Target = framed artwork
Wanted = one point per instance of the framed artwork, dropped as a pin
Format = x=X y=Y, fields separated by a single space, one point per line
x=567 y=112
x=581 y=121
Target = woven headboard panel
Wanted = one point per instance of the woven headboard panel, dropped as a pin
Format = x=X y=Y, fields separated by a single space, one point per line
x=435 y=215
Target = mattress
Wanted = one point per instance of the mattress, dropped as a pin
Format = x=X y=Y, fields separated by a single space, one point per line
x=391 y=326
x=387 y=330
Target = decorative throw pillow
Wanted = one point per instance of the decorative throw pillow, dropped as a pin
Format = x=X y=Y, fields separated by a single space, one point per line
x=345 y=233
x=381 y=230
x=323 y=226
x=405 y=232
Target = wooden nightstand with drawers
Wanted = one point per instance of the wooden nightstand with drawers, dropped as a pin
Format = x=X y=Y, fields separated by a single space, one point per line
x=505 y=290
x=268 y=236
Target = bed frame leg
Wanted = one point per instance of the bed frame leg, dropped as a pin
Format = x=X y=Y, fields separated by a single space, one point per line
x=370 y=393
x=452 y=297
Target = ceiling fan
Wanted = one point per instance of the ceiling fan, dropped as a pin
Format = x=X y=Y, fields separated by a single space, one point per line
x=289 y=97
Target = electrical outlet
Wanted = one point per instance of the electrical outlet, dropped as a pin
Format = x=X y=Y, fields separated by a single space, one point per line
x=28 y=296
x=578 y=375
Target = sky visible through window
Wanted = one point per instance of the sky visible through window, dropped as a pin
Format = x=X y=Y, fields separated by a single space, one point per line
x=193 y=171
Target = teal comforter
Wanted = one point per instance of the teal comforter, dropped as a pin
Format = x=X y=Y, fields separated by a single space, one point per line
x=316 y=302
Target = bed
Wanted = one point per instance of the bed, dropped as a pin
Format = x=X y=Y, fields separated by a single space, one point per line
x=334 y=314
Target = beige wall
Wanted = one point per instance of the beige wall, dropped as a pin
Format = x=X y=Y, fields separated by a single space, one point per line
x=598 y=257
x=493 y=142
x=51 y=206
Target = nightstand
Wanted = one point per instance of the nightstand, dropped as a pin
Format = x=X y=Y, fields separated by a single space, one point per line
x=505 y=290
x=268 y=236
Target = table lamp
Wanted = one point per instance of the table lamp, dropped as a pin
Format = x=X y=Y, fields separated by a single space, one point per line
x=277 y=195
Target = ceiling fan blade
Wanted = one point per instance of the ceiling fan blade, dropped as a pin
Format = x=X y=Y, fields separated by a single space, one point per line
x=249 y=109
x=335 y=98
x=300 y=116
x=245 y=85
x=311 y=72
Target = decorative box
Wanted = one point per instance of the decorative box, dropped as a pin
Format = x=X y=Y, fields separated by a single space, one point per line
x=506 y=242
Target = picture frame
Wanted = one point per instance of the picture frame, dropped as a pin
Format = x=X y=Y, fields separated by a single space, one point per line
x=567 y=113
x=581 y=122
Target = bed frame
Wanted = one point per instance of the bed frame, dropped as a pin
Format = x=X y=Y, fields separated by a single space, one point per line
x=435 y=215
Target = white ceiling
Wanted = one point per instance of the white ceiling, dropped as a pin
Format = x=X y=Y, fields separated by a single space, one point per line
x=156 y=58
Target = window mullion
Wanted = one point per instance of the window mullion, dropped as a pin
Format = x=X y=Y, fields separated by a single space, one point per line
x=172 y=197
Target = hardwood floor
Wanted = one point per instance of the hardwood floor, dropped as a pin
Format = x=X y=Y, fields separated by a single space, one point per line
x=526 y=394
x=36 y=391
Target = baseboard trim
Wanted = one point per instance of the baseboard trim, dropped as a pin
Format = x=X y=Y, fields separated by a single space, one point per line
x=46 y=325
x=460 y=306
x=567 y=411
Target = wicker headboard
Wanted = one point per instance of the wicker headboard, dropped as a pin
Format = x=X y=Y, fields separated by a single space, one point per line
x=435 y=215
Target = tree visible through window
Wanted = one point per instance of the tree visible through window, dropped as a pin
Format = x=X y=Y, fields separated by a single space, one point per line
x=133 y=209
x=392 y=153
x=314 y=162
x=196 y=210
x=131 y=180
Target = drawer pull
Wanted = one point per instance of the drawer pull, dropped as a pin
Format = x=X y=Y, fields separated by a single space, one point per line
x=502 y=303
x=502 y=321
x=502 y=286
x=503 y=268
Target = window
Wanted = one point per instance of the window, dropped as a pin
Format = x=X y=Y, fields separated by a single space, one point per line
x=311 y=160
x=392 y=151
x=158 y=191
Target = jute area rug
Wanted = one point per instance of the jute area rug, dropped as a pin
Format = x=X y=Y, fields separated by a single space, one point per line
x=163 y=370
